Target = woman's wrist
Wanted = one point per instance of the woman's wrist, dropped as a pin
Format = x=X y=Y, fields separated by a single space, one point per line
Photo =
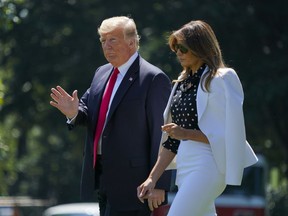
x=196 y=135
x=187 y=134
x=152 y=179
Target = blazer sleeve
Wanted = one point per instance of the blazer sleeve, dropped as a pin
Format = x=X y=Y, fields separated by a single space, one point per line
x=235 y=135
x=221 y=119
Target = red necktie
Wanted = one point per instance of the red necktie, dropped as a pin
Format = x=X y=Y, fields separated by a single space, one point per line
x=103 y=110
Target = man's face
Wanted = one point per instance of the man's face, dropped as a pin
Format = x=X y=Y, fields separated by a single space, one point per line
x=116 y=50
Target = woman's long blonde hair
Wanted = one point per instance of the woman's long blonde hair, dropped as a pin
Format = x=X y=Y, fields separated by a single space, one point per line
x=202 y=42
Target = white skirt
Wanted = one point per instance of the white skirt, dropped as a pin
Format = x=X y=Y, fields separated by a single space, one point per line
x=198 y=179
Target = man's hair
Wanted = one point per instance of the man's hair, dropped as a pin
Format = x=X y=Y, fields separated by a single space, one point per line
x=127 y=24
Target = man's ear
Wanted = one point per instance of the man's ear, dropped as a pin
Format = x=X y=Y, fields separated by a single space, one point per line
x=131 y=43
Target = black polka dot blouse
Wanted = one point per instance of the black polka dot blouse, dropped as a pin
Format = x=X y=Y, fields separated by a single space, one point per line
x=183 y=106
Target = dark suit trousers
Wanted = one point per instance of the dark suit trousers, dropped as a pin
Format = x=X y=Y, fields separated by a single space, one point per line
x=105 y=208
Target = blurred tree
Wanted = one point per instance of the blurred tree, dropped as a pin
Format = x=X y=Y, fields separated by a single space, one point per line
x=42 y=49
x=50 y=42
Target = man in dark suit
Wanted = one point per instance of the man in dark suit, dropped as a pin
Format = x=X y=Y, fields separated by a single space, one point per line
x=128 y=145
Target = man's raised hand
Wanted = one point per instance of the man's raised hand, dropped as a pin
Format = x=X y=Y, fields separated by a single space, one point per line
x=64 y=102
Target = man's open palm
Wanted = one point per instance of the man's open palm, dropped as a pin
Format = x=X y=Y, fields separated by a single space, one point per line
x=64 y=102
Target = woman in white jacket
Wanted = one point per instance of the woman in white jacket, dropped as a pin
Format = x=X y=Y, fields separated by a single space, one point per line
x=204 y=126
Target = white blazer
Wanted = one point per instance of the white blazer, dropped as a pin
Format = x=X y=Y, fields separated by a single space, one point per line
x=220 y=118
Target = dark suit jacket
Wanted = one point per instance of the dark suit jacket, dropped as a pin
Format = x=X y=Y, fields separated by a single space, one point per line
x=131 y=137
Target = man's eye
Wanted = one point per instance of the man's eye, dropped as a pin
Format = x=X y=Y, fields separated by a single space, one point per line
x=109 y=40
x=112 y=40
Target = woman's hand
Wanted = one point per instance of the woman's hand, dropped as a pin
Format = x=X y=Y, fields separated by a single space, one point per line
x=145 y=189
x=180 y=133
x=175 y=131
x=155 y=197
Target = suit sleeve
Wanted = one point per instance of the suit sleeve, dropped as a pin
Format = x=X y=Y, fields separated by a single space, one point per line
x=82 y=115
x=157 y=99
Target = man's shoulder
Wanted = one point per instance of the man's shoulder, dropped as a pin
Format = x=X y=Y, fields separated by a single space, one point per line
x=104 y=67
x=145 y=65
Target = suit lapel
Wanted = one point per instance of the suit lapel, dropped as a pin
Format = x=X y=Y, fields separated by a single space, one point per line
x=98 y=90
x=127 y=81
x=202 y=97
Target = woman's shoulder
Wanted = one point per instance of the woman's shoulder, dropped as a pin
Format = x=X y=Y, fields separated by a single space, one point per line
x=225 y=71
x=226 y=74
x=228 y=78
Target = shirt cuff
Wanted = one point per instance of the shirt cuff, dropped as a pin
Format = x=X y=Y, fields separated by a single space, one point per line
x=71 y=120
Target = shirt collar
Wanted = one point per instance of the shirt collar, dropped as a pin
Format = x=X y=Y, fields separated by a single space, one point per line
x=124 y=68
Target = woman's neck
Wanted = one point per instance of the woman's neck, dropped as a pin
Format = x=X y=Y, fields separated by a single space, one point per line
x=194 y=68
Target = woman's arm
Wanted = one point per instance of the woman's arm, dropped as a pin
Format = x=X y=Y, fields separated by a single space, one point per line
x=180 y=133
x=164 y=159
